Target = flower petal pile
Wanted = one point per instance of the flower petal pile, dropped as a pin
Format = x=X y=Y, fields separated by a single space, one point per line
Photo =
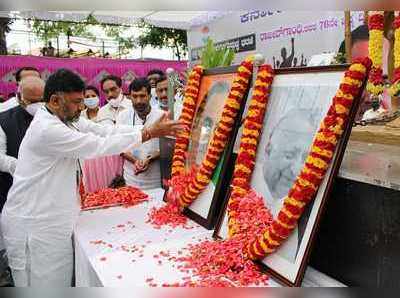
x=127 y=196
x=222 y=262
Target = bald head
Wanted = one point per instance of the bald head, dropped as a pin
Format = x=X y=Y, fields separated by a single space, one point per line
x=31 y=89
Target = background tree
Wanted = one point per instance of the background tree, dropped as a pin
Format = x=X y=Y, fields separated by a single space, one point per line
x=47 y=30
x=163 y=37
x=5 y=24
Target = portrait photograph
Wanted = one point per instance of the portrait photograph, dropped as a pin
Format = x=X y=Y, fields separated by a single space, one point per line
x=297 y=104
x=214 y=89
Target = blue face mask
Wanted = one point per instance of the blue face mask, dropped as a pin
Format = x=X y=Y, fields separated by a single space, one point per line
x=91 y=102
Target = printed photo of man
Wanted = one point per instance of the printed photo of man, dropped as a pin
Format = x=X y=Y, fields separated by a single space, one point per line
x=284 y=155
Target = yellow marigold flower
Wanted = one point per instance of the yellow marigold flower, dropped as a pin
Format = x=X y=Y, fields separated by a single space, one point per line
x=267 y=237
x=289 y=227
x=340 y=109
x=249 y=141
x=322 y=152
x=358 y=67
x=353 y=82
x=294 y=202
x=317 y=162
x=340 y=93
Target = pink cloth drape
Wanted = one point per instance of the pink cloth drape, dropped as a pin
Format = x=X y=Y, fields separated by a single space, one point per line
x=91 y=70
x=99 y=172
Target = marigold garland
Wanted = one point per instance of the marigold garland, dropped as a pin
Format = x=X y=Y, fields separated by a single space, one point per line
x=186 y=117
x=375 y=84
x=248 y=146
x=316 y=164
x=395 y=88
x=221 y=134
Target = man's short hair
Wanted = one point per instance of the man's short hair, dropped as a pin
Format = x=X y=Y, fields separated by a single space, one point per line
x=116 y=79
x=161 y=79
x=138 y=84
x=63 y=80
x=93 y=88
x=19 y=71
x=156 y=71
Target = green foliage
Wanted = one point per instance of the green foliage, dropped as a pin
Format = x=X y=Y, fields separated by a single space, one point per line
x=116 y=33
x=46 y=30
x=163 y=37
x=340 y=58
x=213 y=57
x=5 y=28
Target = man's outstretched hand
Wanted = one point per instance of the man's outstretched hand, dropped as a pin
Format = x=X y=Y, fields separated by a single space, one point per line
x=163 y=127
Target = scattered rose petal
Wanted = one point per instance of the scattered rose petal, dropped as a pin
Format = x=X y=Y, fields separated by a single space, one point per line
x=127 y=196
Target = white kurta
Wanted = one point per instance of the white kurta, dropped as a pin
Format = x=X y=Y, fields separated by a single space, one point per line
x=108 y=115
x=151 y=178
x=42 y=205
x=8 y=104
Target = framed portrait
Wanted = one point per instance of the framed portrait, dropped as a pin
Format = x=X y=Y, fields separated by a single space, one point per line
x=299 y=100
x=214 y=89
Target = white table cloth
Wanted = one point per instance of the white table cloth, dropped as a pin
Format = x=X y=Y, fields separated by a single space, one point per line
x=105 y=238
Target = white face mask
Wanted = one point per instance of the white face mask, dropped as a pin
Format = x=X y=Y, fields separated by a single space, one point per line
x=115 y=102
x=92 y=102
x=153 y=92
x=34 y=107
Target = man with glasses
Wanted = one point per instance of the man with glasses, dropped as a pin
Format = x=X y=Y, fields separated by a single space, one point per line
x=116 y=100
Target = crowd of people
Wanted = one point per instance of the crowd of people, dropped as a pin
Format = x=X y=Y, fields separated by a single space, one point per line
x=50 y=132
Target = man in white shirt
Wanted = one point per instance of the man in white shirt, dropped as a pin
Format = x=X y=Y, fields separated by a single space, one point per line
x=141 y=165
x=153 y=76
x=43 y=202
x=116 y=100
x=162 y=95
x=19 y=75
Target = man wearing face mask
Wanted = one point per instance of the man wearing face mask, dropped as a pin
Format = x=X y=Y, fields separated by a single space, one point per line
x=153 y=76
x=141 y=165
x=43 y=203
x=21 y=73
x=92 y=103
x=116 y=101
x=13 y=126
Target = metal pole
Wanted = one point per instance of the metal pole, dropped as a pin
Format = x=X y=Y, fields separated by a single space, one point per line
x=171 y=93
x=58 y=47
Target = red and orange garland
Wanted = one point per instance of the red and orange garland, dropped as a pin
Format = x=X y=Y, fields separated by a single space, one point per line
x=186 y=117
x=248 y=144
x=395 y=88
x=220 y=137
x=316 y=164
x=375 y=84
